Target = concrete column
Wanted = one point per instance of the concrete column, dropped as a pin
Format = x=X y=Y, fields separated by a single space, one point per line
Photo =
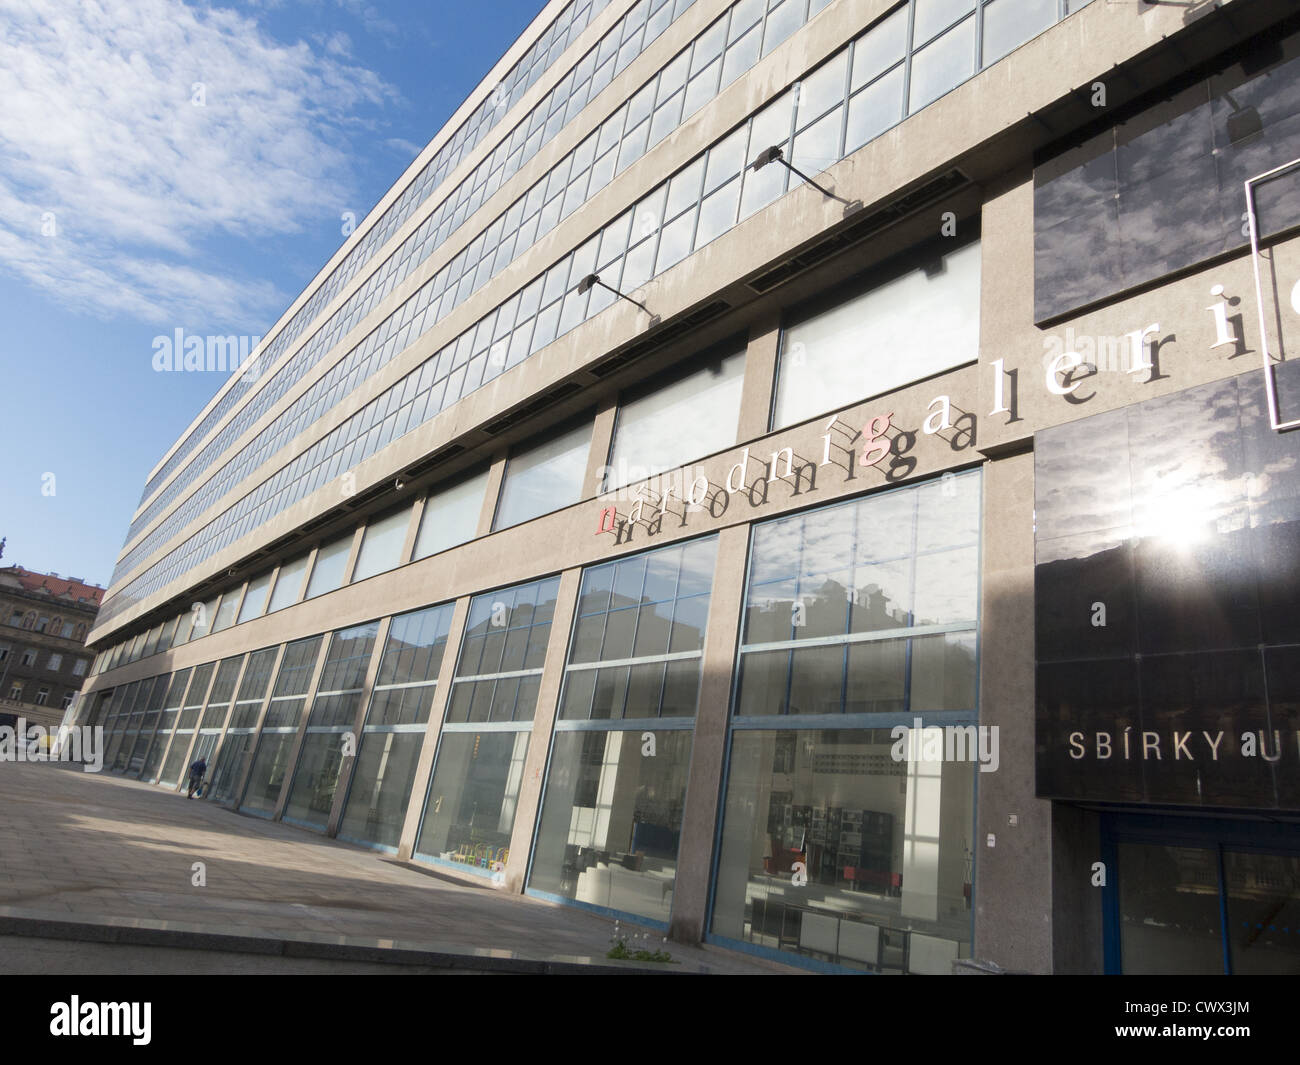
x=1013 y=878
x=491 y=492
x=699 y=823
x=760 y=376
x=358 y=535
x=437 y=711
x=413 y=529
x=1076 y=844
x=243 y=591
x=548 y=698
x=602 y=436
x=307 y=572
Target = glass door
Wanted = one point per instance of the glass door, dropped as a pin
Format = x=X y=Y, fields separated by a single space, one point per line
x=1201 y=897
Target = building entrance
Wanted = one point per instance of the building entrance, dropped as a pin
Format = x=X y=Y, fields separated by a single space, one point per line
x=1201 y=895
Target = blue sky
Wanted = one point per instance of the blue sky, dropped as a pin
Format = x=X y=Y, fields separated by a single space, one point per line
x=133 y=203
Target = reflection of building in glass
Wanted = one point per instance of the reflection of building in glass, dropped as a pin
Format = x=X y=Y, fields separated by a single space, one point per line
x=619 y=603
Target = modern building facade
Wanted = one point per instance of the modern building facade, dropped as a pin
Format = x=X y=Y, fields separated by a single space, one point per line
x=43 y=655
x=809 y=475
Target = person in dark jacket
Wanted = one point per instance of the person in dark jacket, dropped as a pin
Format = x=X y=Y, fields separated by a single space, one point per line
x=196 y=776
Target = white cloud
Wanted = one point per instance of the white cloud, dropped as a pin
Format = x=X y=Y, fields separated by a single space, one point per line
x=404 y=147
x=370 y=17
x=98 y=126
x=336 y=43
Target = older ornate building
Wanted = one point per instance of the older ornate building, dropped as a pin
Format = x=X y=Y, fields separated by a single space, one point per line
x=43 y=655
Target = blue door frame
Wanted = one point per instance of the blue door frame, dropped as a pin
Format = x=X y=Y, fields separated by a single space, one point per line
x=1209 y=833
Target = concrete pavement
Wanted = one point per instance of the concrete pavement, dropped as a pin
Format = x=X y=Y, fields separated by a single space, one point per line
x=98 y=874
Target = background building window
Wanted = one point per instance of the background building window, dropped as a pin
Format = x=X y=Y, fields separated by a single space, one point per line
x=226 y=611
x=917 y=317
x=181 y=724
x=29 y=657
x=55 y=663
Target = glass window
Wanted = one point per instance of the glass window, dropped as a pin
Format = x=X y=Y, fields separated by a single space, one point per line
x=168 y=634
x=414 y=648
x=204 y=618
x=470 y=811
x=639 y=635
x=381 y=544
x=875 y=109
x=935 y=15
x=271 y=762
x=879 y=48
x=151 y=642
x=393 y=734
x=612 y=813
x=381 y=787
x=611 y=820
x=226 y=611
x=544 y=478
x=1009 y=23
x=331 y=561
x=288 y=584
x=940 y=66
x=255 y=597
x=870 y=343
x=338 y=700
x=689 y=418
x=836 y=596
x=502 y=653
x=451 y=515
x=884 y=842
x=348 y=658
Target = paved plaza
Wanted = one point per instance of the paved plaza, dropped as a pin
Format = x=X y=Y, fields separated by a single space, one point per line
x=96 y=875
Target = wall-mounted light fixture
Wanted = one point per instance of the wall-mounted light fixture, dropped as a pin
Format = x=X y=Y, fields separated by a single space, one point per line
x=592 y=280
x=776 y=154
